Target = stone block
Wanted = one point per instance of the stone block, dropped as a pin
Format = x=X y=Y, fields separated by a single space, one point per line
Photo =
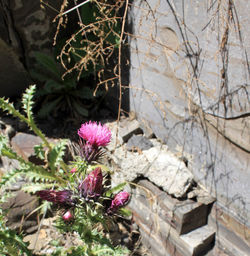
x=157 y=232
x=199 y=240
x=184 y=216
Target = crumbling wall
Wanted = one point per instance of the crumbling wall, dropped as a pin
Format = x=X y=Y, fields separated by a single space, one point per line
x=189 y=81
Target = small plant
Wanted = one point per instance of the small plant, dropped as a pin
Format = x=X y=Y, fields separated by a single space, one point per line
x=66 y=94
x=86 y=200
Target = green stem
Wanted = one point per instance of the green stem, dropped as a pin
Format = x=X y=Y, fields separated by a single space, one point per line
x=38 y=132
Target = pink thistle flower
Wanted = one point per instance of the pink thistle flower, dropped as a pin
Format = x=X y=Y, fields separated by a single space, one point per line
x=91 y=187
x=119 y=201
x=73 y=170
x=95 y=134
x=68 y=216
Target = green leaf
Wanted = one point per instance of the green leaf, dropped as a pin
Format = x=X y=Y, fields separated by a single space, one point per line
x=102 y=166
x=10 y=177
x=56 y=154
x=125 y=212
x=5 y=105
x=115 y=189
x=49 y=63
x=13 y=243
x=38 y=76
x=52 y=86
x=27 y=101
x=48 y=107
x=39 y=151
x=84 y=93
x=3 y=142
x=80 y=109
x=34 y=187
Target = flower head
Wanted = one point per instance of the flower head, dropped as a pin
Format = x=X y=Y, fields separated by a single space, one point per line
x=119 y=201
x=68 y=216
x=91 y=187
x=58 y=197
x=95 y=134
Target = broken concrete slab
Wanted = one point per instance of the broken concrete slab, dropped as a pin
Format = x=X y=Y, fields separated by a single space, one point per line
x=167 y=171
x=157 y=164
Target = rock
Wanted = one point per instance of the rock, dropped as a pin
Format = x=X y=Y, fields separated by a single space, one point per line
x=201 y=196
x=23 y=144
x=196 y=117
x=6 y=129
x=167 y=171
x=18 y=209
x=128 y=128
x=138 y=143
x=131 y=165
x=12 y=85
x=147 y=131
x=157 y=164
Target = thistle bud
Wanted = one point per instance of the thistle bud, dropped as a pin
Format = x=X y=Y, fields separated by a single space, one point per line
x=119 y=201
x=91 y=187
x=73 y=170
x=68 y=216
x=59 y=197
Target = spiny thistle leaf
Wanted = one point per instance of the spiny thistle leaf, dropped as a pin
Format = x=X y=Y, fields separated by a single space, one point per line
x=56 y=154
x=5 y=105
x=43 y=175
x=3 y=142
x=34 y=187
x=31 y=170
x=27 y=101
x=115 y=189
x=39 y=151
x=10 y=177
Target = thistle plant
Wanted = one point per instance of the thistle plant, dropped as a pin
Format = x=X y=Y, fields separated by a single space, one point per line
x=78 y=189
x=86 y=201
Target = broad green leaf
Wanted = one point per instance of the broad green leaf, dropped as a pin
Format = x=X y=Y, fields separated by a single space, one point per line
x=49 y=63
x=48 y=107
x=80 y=109
x=83 y=93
